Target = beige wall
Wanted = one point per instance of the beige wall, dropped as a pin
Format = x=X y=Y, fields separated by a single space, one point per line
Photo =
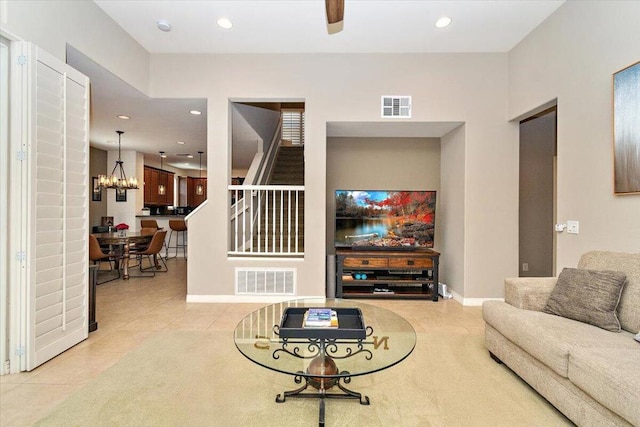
x=97 y=166
x=537 y=150
x=470 y=88
x=451 y=212
x=380 y=164
x=82 y=24
x=571 y=57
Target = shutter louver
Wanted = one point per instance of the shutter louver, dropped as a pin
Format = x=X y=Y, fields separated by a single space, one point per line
x=57 y=254
x=293 y=126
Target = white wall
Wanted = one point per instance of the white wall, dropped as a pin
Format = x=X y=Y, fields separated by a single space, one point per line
x=572 y=57
x=470 y=88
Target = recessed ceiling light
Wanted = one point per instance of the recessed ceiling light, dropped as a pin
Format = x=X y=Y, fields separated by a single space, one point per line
x=190 y=156
x=443 y=22
x=163 y=25
x=180 y=142
x=123 y=117
x=195 y=112
x=224 y=23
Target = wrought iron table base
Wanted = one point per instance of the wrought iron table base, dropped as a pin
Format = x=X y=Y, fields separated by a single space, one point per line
x=322 y=392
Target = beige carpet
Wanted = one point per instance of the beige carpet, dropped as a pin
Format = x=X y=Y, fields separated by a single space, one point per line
x=200 y=379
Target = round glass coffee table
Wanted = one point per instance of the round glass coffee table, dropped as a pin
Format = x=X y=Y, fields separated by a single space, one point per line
x=368 y=339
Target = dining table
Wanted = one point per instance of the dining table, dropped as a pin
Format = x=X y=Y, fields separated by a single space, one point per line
x=123 y=241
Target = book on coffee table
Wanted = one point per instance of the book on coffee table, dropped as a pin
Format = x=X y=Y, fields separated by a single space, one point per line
x=320 y=318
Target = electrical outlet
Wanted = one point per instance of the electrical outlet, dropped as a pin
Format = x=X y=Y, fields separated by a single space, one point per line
x=525 y=266
x=573 y=227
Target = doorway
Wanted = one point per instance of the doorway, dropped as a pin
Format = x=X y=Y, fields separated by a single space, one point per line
x=537 y=201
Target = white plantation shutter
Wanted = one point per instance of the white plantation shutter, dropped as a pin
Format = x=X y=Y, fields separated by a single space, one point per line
x=293 y=126
x=56 y=207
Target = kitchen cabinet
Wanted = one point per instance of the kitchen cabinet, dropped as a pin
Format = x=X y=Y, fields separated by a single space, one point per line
x=153 y=179
x=194 y=198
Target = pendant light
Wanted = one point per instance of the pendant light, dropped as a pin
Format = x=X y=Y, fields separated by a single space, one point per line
x=118 y=181
x=200 y=187
x=162 y=189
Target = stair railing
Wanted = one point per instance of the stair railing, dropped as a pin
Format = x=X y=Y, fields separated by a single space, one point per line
x=262 y=164
x=268 y=161
x=267 y=220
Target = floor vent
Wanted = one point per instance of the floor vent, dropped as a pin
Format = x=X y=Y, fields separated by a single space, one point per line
x=396 y=107
x=265 y=281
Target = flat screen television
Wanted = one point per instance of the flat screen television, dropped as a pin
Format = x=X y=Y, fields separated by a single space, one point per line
x=375 y=219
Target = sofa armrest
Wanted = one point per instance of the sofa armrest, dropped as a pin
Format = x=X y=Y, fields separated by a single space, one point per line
x=528 y=293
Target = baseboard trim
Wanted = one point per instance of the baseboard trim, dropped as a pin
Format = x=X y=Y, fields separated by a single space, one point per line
x=272 y=299
x=268 y=299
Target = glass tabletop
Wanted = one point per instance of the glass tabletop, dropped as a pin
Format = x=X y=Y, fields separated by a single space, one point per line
x=388 y=339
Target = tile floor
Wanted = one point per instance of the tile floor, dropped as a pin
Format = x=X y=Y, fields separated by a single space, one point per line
x=128 y=312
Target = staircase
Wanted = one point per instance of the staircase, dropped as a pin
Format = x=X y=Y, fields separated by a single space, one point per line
x=275 y=208
x=288 y=168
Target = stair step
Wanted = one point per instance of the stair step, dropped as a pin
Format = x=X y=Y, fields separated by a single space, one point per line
x=288 y=168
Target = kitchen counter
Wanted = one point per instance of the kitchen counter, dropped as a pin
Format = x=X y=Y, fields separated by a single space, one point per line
x=161 y=216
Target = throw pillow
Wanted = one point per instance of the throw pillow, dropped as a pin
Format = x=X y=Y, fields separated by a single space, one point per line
x=589 y=296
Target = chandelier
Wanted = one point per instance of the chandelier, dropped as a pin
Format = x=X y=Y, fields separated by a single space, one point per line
x=118 y=178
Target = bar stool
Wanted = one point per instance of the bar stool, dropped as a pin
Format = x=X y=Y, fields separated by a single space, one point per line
x=180 y=227
x=149 y=223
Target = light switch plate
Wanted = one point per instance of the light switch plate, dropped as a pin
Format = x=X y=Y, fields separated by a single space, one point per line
x=573 y=227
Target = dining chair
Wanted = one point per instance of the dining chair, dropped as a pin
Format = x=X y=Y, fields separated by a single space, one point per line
x=149 y=225
x=97 y=256
x=139 y=247
x=154 y=249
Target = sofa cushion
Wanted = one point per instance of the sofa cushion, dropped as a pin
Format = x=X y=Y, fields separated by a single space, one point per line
x=589 y=296
x=628 y=311
x=611 y=376
x=550 y=338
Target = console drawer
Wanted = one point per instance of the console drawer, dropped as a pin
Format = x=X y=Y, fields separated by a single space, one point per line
x=411 y=262
x=365 y=262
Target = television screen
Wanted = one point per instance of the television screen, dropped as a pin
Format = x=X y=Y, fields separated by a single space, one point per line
x=385 y=219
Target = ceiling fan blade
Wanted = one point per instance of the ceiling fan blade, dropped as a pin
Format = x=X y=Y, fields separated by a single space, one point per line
x=335 y=11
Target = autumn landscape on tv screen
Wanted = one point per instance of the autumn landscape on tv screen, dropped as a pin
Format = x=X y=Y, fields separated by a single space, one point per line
x=402 y=219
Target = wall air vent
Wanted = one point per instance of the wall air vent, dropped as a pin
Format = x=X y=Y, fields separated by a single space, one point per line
x=396 y=107
x=265 y=281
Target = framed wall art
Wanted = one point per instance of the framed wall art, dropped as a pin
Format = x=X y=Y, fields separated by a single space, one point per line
x=121 y=194
x=96 y=192
x=626 y=130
